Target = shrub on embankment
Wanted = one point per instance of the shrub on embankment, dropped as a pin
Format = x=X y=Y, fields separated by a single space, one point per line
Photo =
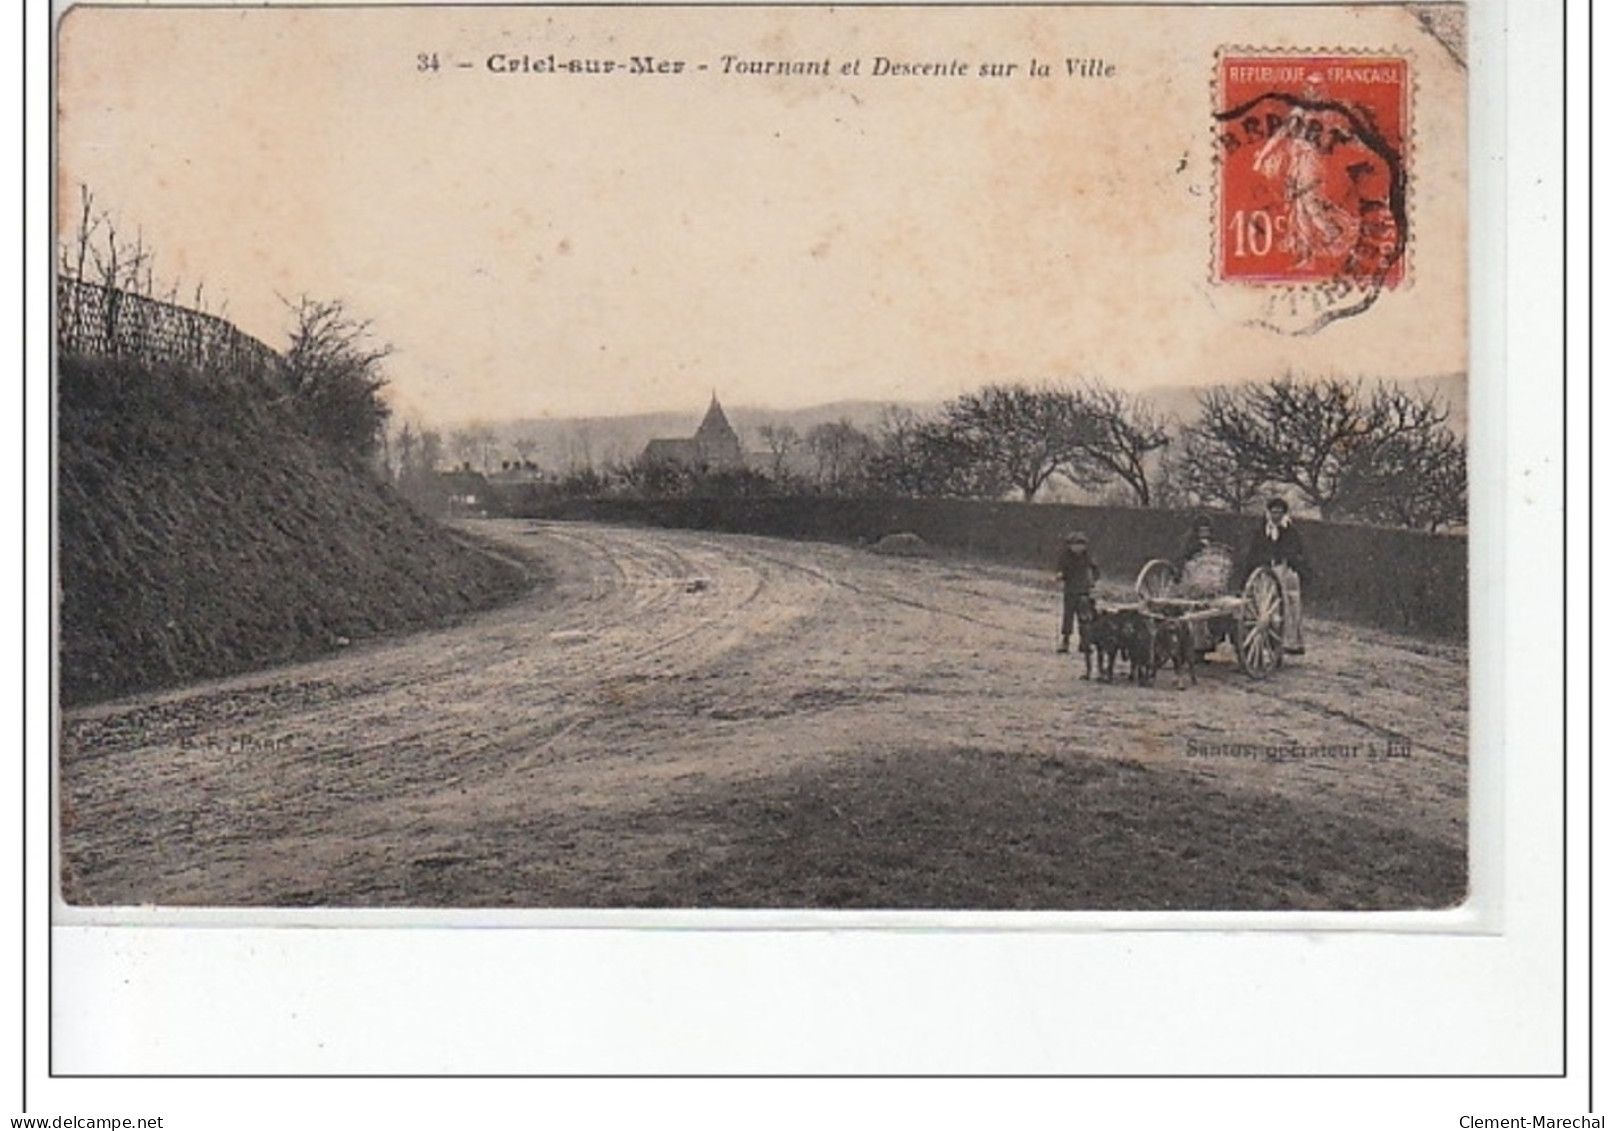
x=1401 y=580
x=201 y=533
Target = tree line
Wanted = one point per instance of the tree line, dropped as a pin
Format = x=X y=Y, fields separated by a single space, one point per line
x=1343 y=449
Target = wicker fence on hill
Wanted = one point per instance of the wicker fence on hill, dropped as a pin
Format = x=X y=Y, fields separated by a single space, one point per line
x=93 y=320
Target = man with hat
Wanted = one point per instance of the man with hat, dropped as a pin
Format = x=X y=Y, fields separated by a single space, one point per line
x=1077 y=573
x=1278 y=545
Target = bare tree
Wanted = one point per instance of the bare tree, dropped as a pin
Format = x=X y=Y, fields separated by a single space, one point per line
x=1322 y=437
x=75 y=250
x=895 y=466
x=431 y=451
x=1418 y=479
x=930 y=459
x=465 y=446
x=1207 y=473
x=405 y=445
x=333 y=370
x=96 y=254
x=781 y=440
x=1027 y=434
x=1117 y=433
x=839 y=453
x=118 y=264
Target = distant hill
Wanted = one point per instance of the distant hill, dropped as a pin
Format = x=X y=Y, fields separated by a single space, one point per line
x=556 y=444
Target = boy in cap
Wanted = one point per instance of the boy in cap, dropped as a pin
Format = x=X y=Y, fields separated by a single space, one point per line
x=1077 y=573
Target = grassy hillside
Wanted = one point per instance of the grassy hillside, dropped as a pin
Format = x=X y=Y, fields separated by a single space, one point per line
x=199 y=534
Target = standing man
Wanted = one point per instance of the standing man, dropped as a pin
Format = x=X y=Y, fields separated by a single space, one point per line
x=1077 y=573
x=1278 y=545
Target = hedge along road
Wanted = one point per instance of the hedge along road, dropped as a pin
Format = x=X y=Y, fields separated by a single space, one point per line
x=698 y=720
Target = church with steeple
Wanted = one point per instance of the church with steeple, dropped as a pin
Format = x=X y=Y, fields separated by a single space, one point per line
x=714 y=446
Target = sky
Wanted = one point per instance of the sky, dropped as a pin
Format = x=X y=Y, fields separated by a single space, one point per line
x=541 y=244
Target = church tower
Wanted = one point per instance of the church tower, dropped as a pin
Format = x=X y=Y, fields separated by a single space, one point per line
x=716 y=441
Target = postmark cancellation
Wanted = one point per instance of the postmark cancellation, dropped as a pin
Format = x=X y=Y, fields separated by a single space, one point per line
x=1311 y=169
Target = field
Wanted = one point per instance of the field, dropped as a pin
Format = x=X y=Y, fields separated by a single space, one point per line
x=688 y=719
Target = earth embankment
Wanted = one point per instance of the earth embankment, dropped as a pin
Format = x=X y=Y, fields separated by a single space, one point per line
x=199 y=534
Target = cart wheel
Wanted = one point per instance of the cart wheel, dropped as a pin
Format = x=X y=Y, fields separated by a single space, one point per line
x=1154 y=580
x=1260 y=643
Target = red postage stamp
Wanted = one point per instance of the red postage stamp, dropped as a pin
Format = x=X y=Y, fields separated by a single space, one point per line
x=1312 y=172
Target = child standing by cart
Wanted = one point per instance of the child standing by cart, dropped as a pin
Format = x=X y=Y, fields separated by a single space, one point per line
x=1077 y=573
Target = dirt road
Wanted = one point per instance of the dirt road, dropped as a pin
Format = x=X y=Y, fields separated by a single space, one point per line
x=700 y=720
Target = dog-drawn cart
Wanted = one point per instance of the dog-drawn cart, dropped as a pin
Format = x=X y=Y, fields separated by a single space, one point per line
x=1207 y=598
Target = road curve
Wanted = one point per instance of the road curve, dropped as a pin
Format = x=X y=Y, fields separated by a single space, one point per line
x=559 y=736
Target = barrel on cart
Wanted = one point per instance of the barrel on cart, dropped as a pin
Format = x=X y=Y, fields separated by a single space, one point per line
x=1207 y=597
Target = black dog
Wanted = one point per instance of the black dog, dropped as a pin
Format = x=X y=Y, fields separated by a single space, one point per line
x=1138 y=644
x=1174 y=644
x=1087 y=613
x=1103 y=635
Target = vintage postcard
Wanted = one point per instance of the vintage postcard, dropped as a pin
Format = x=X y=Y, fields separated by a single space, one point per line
x=785 y=459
